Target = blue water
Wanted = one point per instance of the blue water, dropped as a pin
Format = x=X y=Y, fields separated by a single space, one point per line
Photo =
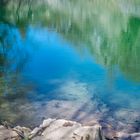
x=45 y=75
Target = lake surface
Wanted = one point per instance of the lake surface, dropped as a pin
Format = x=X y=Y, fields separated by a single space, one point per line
x=73 y=62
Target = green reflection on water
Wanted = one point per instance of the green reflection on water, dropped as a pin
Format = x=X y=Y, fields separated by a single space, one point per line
x=109 y=29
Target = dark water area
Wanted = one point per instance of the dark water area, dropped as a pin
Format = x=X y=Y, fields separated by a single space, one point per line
x=64 y=61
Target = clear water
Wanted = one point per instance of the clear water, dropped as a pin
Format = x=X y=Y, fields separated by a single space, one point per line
x=82 y=68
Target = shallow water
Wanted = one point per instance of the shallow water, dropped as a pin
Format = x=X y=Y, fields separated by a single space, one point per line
x=71 y=64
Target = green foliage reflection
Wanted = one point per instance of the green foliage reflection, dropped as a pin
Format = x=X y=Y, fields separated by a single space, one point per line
x=109 y=29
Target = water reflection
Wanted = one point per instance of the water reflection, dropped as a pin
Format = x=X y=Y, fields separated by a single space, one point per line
x=12 y=61
x=108 y=30
x=70 y=59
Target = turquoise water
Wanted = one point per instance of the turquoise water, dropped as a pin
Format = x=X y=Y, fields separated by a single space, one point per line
x=46 y=72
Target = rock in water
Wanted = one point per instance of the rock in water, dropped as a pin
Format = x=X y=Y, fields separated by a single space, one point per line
x=52 y=129
x=68 y=130
x=8 y=134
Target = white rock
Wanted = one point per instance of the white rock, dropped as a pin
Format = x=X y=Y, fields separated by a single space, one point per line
x=7 y=133
x=69 y=130
x=35 y=130
x=47 y=122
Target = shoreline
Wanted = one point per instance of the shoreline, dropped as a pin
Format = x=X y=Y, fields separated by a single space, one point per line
x=61 y=129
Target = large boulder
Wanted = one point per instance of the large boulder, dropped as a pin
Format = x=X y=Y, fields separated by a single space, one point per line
x=66 y=130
